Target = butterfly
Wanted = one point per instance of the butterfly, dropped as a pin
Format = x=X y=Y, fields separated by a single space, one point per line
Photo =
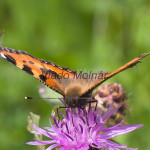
x=70 y=84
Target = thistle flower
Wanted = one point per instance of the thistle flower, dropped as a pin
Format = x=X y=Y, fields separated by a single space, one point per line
x=79 y=130
x=108 y=94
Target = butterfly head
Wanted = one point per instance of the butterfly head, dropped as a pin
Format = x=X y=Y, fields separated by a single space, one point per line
x=73 y=97
x=72 y=101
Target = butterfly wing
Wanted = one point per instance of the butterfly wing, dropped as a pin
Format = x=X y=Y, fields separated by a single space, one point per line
x=45 y=71
x=109 y=75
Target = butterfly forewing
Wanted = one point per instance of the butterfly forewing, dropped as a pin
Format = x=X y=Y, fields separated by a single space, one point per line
x=131 y=63
x=45 y=71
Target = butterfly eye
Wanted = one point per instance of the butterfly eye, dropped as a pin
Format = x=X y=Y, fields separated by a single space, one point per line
x=74 y=101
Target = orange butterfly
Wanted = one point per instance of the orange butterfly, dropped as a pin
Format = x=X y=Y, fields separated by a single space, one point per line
x=66 y=82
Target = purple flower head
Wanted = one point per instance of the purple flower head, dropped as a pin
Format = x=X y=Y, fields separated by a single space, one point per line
x=80 y=131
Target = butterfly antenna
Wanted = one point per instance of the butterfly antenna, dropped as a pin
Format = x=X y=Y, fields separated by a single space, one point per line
x=39 y=98
x=86 y=98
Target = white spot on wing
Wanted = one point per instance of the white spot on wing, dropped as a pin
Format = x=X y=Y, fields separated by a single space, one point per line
x=60 y=67
x=2 y=55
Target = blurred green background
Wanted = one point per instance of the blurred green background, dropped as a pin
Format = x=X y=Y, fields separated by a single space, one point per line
x=81 y=34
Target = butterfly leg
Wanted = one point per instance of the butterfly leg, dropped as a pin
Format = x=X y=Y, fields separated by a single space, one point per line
x=72 y=117
x=59 y=107
x=86 y=115
x=96 y=105
x=87 y=122
x=93 y=101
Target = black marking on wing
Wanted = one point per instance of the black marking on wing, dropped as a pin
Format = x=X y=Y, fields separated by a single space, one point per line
x=143 y=55
x=10 y=59
x=16 y=52
x=50 y=63
x=43 y=71
x=134 y=64
x=41 y=60
x=10 y=50
x=24 y=61
x=53 y=74
x=31 y=62
x=27 y=69
x=43 y=78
